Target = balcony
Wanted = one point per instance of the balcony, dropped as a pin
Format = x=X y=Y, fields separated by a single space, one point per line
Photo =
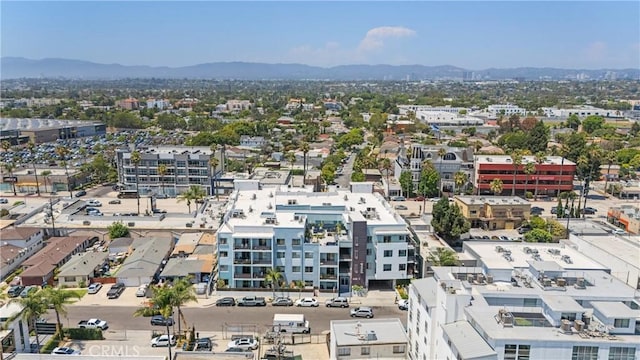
x=262 y=247
x=328 y=262
x=328 y=277
x=346 y=257
x=242 y=275
x=241 y=246
x=242 y=261
x=262 y=261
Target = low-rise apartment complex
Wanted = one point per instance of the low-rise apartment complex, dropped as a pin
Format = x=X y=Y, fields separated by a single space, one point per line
x=494 y=212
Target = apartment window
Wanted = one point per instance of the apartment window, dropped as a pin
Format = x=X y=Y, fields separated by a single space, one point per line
x=369 y=239
x=621 y=323
x=344 y=351
x=368 y=251
x=386 y=267
x=386 y=239
x=308 y=255
x=224 y=254
x=568 y=316
x=295 y=242
x=223 y=241
x=308 y=269
x=584 y=353
x=516 y=352
x=400 y=349
x=402 y=267
x=388 y=253
x=280 y=254
x=622 y=353
x=224 y=267
x=402 y=253
x=295 y=269
x=295 y=254
x=365 y=350
x=530 y=302
x=280 y=242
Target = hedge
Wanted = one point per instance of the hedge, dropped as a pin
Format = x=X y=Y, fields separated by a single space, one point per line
x=50 y=345
x=83 y=334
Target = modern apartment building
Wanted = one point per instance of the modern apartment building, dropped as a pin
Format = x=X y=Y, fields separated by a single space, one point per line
x=555 y=173
x=454 y=160
x=330 y=240
x=523 y=301
x=186 y=166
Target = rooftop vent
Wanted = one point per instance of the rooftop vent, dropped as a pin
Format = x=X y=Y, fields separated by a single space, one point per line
x=580 y=284
x=565 y=326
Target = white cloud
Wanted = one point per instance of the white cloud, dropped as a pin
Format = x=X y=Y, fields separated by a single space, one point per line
x=374 y=39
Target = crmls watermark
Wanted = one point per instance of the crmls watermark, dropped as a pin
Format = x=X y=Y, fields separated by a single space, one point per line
x=112 y=350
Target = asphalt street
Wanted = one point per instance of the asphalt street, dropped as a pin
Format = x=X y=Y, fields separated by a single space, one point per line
x=213 y=318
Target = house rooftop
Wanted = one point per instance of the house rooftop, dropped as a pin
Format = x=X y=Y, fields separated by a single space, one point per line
x=146 y=257
x=56 y=250
x=370 y=332
x=83 y=264
x=19 y=233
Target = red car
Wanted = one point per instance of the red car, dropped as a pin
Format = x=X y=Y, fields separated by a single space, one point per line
x=419 y=198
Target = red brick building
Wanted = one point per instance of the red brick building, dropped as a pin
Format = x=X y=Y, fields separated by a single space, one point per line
x=555 y=173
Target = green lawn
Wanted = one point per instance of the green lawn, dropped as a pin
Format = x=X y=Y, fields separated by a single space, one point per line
x=78 y=293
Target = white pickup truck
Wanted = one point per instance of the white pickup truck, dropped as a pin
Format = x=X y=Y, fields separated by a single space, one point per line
x=93 y=324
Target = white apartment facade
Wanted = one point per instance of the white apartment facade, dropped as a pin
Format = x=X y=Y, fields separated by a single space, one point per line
x=506 y=110
x=252 y=141
x=523 y=301
x=159 y=104
x=442 y=118
x=370 y=339
x=330 y=240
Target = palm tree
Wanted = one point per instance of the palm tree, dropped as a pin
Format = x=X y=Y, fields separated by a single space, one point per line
x=304 y=146
x=188 y=197
x=57 y=299
x=62 y=153
x=442 y=257
x=540 y=158
x=32 y=149
x=562 y=153
x=273 y=277
x=441 y=153
x=33 y=307
x=298 y=284
x=516 y=157
x=611 y=159
x=46 y=174
x=162 y=171
x=385 y=164
x=135 y=159
x=529 y=169
x=496 y=186
x=181 y=293
x=161 y=300
x=213 y=163
x=10 y=166
x=460 y=179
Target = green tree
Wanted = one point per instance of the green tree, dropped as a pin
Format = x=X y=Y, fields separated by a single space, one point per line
x=441 y=153
x=62 y=153
x=537 y=235
x=448 y=221
x=538 y=137
x=135 y=159
x=386 y=167
x=328 y=173
x=58 y=299
x=304 y=146
x=592 y=123
x=357 y=176
x=161 y=300
x=496 y=186
x=118 y=230
x=162 y=171
x=529 y=169
x=298 y=284
x=213 y=164
x=194 y=193
x=540 y=158
x=537 y=222
x=273 y=278
x=429 y=180
x=442 y=256
x=406 y=183
x=573 y=122
x=182 y=292
x=45 y=174
x=461 y=179
x=33 y=307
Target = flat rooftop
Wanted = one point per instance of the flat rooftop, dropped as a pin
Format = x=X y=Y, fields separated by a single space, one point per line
x=166 y=150
x=371 y=332
x=625 y=248
x=493 y=200
x=506 y=159
x=41 y=124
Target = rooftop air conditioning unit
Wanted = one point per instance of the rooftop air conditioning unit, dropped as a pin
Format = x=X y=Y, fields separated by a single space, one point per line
x=578 y=325
x=561 y=282
x=546 y=282
x=479 y=278
x=470 y=278
x=489 y=279
x=580 y=283
x=565 y=326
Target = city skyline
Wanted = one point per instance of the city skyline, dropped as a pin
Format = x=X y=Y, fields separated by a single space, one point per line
x=470 y=35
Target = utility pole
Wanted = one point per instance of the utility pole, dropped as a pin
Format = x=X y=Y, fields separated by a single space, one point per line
x=53 y=222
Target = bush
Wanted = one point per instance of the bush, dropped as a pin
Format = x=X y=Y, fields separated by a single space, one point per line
x=10 y=278
x=82 y=284
x=402 y=292
x=83 y=334
x=528 y=195
x=147 y=312
x=50 y=345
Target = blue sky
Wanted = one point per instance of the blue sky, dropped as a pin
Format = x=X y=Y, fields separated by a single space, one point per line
x=473 y=35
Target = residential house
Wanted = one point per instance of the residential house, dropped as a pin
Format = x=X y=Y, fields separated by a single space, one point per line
x=39 y=268
x=18 y=244
x=369 y=339
x=128 y=104
x=236 y=106
x=120 y=246
x=252 y=141
x=193 y=256
x=494 y=212
x=81 y=268
x=145 y=262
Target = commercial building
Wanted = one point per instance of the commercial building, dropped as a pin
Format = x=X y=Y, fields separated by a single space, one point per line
x=405 y=109
x=186 y=166
x=442 y=118
x=454 y=160
x=238 y=105
x=370 y=339
x=252 y=141
x=47 y=130
x=625 y=216
x=494 y=212
x=582 y=112
x=506 y=110
x=554 y=174
x=330 y=240
x=128 y=104
x=523 y=301
x=159 y=104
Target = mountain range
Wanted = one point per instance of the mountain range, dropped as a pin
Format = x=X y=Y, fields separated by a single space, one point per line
x=18 y=67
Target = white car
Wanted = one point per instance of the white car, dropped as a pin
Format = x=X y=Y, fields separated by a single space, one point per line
x=244 y=343
x=307 y=302
x=403 y=304
x=142 y=290
x=618 y=232
x=64 y=351
x=163 y=340
x=94 y=202
x=94 y=288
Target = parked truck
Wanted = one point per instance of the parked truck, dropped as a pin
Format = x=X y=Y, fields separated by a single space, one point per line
x=291 y=323
x=93 y=324
x=115 y=291
x=252 y=301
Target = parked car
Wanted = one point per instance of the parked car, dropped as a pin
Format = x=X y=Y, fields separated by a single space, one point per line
x=15 y=291
x=115 y=291
x=161 y=320
x=282 y=301
x=554 y=210
x=142 y=290
x=238 y=350
x=504 y=238
x=203 y=344
x=4 y=201
x=226 y=301
x=524 y=229
x=338 y=302
x=163 y=340
x=28 y=290
x=94 y=202
x=80 y=193
x=94 y=288
x=618 y=232
x=252 y=301
x=363 y=311
x=93 y=324
x=401 y=207
x=115 y=202
x=403 y=304
x=65 y=351
x=162 y=196
x=589 y=210
x=398 y=198
x=243 y=343
x=536 y=210
x=307 y=302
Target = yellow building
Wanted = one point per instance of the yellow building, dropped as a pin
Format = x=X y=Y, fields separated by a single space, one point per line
x=494 y=212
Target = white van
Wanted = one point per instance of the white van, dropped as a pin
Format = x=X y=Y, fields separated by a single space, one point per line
x=291 y=323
